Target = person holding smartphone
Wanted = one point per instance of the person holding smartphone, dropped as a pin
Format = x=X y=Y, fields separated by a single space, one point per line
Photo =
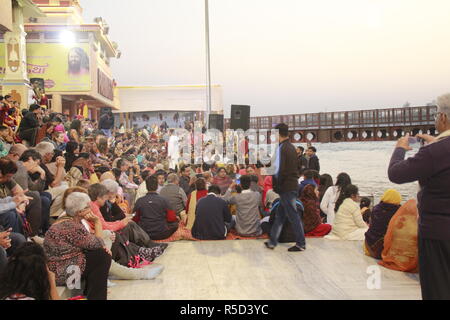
x=430 y=166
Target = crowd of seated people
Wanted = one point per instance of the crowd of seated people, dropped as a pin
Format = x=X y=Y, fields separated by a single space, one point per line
x=107 y=205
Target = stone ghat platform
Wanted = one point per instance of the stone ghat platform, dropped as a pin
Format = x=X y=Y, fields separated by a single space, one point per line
x=245 y=269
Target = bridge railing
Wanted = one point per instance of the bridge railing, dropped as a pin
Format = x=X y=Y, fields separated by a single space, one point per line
x=393 y=117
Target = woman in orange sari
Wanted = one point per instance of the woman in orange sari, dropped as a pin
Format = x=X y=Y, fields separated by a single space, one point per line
x=400 y=242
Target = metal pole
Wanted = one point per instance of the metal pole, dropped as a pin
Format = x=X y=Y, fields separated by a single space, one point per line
x=208 y=65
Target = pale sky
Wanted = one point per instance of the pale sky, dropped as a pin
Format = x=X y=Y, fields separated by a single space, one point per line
x=287 y=56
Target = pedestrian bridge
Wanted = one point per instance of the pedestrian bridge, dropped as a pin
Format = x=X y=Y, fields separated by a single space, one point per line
x=360 y=125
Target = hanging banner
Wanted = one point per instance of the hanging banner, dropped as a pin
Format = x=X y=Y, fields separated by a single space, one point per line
x=63 y=68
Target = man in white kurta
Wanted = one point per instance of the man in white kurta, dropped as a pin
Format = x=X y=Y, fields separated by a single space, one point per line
x=173 y=150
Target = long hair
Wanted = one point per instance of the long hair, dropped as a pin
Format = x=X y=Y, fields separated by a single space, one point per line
x=347 y=192
x=76 y=125
x=84 y=58
x=309 y=199
x=70 y=155
x=326 y=181
x=343 y=180
x=26 y=273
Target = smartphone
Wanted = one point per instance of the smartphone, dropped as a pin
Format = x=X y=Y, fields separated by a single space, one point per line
x=414 y=140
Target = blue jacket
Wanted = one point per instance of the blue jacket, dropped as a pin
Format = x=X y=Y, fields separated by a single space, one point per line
x=304 y=183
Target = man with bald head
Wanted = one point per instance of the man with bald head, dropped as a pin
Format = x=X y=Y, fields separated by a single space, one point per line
x=175 y=195
x=431 y=167
x=16 y=152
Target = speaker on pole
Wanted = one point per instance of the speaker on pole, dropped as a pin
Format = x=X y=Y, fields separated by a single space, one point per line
x=240 y=117
x=216 y=122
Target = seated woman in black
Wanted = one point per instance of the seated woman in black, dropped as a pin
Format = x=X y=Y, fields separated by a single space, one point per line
x=111 y=211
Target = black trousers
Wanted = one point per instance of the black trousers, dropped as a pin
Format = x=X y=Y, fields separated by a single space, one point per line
x=134 y=233
x=98 y=263
x=172 y=227
x=434 y=269
x=33 y=212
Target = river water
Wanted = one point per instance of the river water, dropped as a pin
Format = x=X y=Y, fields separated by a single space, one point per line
x=366 y=163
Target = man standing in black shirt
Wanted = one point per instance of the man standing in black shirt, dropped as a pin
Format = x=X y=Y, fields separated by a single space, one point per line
x=285 y=183
x=30 y=124
x=106 y=123
x=313 y=160
x=302 y=161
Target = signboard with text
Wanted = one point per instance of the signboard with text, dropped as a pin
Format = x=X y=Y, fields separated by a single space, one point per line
x=63 y=68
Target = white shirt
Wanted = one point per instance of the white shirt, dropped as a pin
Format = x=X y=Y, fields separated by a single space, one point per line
x=328 y=203
x=173 y=150
x=141 y=191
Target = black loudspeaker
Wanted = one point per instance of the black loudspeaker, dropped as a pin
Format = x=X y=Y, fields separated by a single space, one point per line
x=216 y=122
x=240 y=117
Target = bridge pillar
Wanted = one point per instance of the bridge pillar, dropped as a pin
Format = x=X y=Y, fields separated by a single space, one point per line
x=352 y=135
x=324 y=136
x=338 y=136
x=381 y=134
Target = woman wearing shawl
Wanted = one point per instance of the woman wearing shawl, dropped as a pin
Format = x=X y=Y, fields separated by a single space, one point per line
x=380 y=217
x=222 y=180
x=312 y=222
x=348 y=223
x=267 y=186
x=400 y=242
x=199 y=192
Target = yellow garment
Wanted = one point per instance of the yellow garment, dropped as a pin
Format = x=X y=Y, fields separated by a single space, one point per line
x=19 y=119
x=191 y=210
x=366 y=249
x=73 y=176
x=93 y=179
x=400 y=242
x=106 y=176
x=392 y=196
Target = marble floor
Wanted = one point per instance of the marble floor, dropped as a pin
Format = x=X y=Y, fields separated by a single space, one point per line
x=245 y=269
